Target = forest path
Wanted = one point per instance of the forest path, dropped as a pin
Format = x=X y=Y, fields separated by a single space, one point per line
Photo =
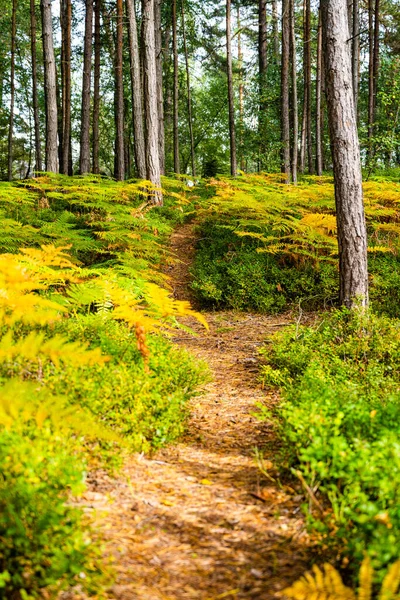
x=199 y=520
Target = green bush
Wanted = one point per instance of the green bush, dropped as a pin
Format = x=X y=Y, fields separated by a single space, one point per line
x=228 y=271
x=145 y=407
x=340 y=424
x=43 y=541
x=74 y=387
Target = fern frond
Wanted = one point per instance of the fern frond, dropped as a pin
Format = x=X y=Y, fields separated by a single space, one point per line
x=322 y=584
x=366 y=576
x=391 y=583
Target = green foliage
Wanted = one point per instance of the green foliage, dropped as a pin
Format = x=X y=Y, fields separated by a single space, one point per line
x=84 y=367
x=339 y=422
x=44 y=542
x=264 y=245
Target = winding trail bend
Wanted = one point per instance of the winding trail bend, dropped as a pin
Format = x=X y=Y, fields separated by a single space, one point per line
x=199 y=520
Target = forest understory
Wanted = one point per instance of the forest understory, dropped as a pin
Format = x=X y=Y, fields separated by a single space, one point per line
x=185 y=412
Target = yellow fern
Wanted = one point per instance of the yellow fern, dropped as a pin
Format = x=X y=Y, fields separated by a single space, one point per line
x=327 y=584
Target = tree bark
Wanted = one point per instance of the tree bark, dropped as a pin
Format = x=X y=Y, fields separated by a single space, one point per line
x=352 y=235
x=119 y=99
x=275 y=32
x=35 y=101
x=160 y=93
x=176 y=88
x=84 y=160
x=376 y=58
x=12 y=90
x=285 y=120
x=66 y=31
x=356 y=51
x=318 y=112
x=96 y=88
x=50 y=78
x=370 y=76
x=307 y=72
x=136 y=88
x=189 y=94
x=231 y=102
x=262 y=45
x=241 y=90
x=151 y=109
x=295 y=114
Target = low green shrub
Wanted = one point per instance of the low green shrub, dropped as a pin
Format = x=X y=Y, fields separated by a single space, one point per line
x=228 y=271
x=86 y=367
x=44 y=542
x=340 y=425
x=146 y=407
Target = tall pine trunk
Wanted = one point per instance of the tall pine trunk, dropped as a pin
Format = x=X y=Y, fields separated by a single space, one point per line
x=12 y=90
x=50 y=82
x=96 y=88
x=352 y=235
x=84 y=160
x=307 y=72
x=35 y=101
x=295 y=114
x=136 y=89
x=355 y=46
x=176 y=87
x=119 y=159
x=318 y=111
x=285 y=120
x=160 y=93
x=150 y=94
x=370 y=76
x=189 y=94
x=241 y=90
x=66 y=32
x=262 y=45
x=275 y=31
x=231 y=100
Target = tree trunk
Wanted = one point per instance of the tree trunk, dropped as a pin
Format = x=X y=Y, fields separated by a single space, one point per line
x=151 y=109
x=352 y=235
x=285 y=121
x=370 y=77
x=318 y=112
x=119 y=162
x=307 y=72
x=176 y=88
x=50 y=78
x=84 y=160
x=160 y=93
x=189 y=94
x=35 y=101
x=275 y=32
x=376 y=58
x=232 y=133
x=295 y=114
x=66 y=31
x=96 y=87
x=136 y=88
x=241 y=90
x=262 y=45
x=356 y=51
x=12 y=90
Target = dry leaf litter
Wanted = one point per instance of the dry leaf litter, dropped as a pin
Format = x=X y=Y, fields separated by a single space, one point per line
x=199 y=520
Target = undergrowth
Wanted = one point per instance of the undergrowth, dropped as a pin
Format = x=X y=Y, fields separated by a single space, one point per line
x=86 y=368
x=339 y=424
x=264 y=246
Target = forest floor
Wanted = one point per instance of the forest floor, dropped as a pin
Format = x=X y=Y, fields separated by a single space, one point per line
x=199 y=520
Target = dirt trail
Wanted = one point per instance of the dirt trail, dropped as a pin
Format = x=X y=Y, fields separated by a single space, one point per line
x=198 y=520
